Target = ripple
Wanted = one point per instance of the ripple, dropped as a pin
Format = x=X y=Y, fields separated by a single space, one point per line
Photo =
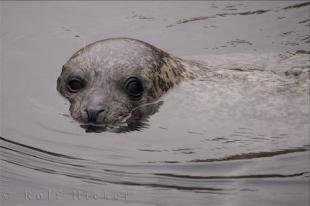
x=236 y=177
x=295 y=6
x=99 y=173
x=184 y=21
x=253 y=155
x=245 y=13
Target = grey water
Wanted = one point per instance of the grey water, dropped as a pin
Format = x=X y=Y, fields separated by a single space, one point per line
x=230 y=142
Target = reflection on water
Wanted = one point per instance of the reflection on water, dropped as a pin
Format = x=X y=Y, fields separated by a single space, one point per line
x=234 y=138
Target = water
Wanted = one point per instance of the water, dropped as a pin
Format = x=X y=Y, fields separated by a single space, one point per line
x=207 y=145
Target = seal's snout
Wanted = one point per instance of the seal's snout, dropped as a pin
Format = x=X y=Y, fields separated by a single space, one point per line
x=96 y=113
x=93 y=114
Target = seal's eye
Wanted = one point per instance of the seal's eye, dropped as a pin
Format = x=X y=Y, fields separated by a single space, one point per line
x=75 y=84
x=134 y=87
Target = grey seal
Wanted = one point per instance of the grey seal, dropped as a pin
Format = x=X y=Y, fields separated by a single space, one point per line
x=117 y=83
x=107 y=81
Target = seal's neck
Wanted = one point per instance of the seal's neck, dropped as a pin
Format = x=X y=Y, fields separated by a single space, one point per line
x=182 y=69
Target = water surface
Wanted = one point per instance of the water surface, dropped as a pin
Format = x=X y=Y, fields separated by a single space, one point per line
x=207 y=145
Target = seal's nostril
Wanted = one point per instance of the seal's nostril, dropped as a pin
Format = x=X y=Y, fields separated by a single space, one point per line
x=100 y=111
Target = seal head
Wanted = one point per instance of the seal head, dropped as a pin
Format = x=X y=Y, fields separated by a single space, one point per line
x=106 y=80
